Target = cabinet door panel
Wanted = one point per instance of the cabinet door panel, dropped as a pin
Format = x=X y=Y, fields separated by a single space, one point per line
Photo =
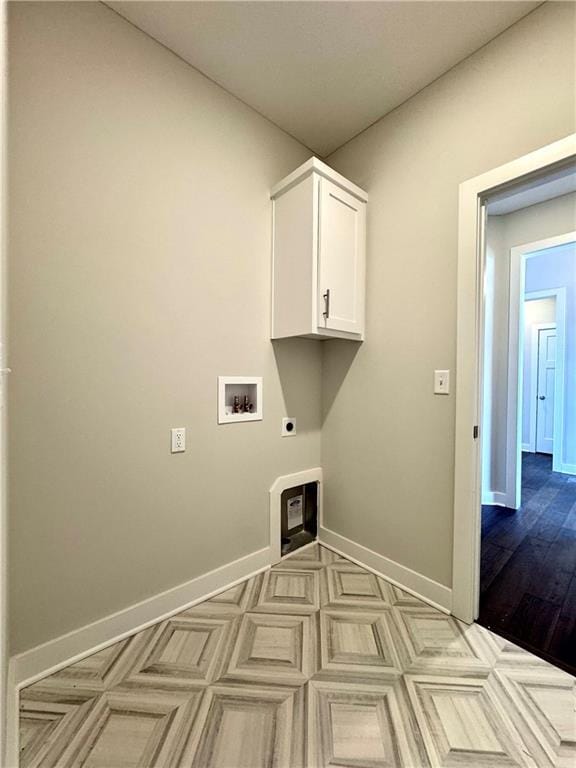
x=341 y=257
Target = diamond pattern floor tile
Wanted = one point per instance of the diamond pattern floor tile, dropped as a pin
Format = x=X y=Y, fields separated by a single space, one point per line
x=361 y=725
x=349 y=586
x=316 y=662
x=184 y=651
x=289 y=591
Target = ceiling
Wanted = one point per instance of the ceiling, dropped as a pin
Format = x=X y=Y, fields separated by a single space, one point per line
x=323 y=71
x=523 y=194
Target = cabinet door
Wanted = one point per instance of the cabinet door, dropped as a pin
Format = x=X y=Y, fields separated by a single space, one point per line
x=341 y=260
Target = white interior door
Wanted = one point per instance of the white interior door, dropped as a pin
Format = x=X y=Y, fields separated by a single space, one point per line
x=341 y=273
x=545 y=390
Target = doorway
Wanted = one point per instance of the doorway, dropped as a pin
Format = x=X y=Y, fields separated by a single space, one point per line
x=541 y=325
x=528 y=546
x=539 y=170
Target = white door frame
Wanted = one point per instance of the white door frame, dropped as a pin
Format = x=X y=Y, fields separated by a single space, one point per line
x=519 y=256
x=559 y=376
x=3 y=370
x=534 y=378
x=470 y=345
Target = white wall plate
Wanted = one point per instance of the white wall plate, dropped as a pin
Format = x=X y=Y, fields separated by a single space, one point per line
x=288 y=426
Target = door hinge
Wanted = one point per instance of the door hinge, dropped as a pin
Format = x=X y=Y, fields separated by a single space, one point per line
x=475 y=433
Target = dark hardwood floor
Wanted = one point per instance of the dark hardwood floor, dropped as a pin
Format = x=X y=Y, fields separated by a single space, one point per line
x=528 y=572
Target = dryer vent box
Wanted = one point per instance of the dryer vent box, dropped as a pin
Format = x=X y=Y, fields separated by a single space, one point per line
x=298 y=516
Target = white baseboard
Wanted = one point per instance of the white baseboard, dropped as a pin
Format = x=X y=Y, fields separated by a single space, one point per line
x=496 y=498
x=29 y=667
x=431 y=592
x=568 y=469
x=298 y=551
x=526 y=448
x=45 y=659
x=12 y=746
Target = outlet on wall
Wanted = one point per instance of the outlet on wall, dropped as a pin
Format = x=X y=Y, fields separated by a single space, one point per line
x=288 y=426
x=178 y=439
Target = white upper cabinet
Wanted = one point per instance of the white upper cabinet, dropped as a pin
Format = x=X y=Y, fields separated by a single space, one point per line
x=318 y=285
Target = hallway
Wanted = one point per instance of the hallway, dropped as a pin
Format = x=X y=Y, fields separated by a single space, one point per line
x=528 y=570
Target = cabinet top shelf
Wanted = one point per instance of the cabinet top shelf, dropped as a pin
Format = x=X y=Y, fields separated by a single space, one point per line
x=317 y=166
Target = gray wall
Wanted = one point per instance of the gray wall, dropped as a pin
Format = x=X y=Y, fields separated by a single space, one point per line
x=553 y=217
x=139 y=261
x=388 y=442
x=139 y=271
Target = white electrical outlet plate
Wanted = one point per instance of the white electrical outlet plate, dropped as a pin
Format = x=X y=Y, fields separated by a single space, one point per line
x=178 y=439
x=288 y=427
x=441 y=382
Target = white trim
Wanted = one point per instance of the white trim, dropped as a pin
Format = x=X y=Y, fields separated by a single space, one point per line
x=534 y=352
x=559 y=375
x=313 y=165
x=518 y=296
x=567 y=469
x=526 y=448
x=303 y=548
x=431 y=592
x=45 y=659
x=280 y=485
x=12 y=745
x=533 y=389
x=496 y=498
x=467 y=488
x=4 y=683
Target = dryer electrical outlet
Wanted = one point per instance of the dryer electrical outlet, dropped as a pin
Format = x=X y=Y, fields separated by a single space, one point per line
x=288 y=426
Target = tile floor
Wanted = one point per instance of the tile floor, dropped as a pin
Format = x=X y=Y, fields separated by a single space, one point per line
x=314 y=663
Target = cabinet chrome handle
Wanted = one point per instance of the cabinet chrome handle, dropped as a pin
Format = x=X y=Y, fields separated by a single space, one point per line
x=542 y=397
x=326 y=297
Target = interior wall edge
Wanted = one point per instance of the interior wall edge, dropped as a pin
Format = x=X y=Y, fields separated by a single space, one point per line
x=496 y=497
x=209 y=79
x=411 y=162
x=425 y=589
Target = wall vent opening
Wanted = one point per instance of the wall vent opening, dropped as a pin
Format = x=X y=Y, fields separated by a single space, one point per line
x=298 y=517
x=295 y=511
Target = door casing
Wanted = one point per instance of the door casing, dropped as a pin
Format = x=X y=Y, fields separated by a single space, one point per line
x=469 y=351
x=519 y=255
x=540 y=404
